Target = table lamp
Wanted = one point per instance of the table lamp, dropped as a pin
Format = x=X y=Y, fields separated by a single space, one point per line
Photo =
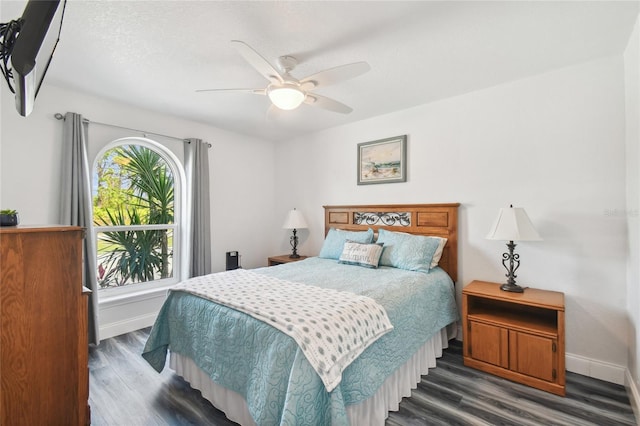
x=294 y=221
x=512 y=224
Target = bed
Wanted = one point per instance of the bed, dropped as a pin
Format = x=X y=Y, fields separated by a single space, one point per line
x=251 y=368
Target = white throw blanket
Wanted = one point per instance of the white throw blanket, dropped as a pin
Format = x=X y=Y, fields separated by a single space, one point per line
x=331 y=327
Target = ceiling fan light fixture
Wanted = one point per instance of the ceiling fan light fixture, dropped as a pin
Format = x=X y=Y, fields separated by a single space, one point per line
x=286 y=97
x=287 y=92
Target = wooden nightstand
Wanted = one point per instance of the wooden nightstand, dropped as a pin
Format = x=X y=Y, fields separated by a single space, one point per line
x=518 y=336
x=283 y=258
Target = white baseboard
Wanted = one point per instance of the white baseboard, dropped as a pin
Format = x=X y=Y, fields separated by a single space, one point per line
x=130 y=324
x=633 y=393
x=594 y=368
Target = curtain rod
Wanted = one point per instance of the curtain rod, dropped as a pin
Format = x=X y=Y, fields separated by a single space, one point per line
x=59 y=116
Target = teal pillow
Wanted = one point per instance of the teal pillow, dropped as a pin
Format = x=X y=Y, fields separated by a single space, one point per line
x=406 y=251
x=334 y=242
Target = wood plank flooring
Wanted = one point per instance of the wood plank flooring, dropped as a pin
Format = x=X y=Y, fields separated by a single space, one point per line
x=126 y=391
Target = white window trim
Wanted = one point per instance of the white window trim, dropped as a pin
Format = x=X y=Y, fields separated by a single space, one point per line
x=180 y=215
x=153 y=227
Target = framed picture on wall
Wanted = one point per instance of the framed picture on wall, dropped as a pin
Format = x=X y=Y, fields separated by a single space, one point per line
x=382 y=161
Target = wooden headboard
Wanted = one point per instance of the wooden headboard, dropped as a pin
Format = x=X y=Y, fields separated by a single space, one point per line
x=439 y=220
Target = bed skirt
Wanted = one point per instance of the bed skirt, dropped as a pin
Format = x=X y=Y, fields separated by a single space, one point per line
x=373 y=411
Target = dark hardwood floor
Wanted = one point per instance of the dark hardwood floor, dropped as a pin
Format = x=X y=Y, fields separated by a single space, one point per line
x=126 y=391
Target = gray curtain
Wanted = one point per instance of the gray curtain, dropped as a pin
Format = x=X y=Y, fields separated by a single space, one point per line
x=196 y=156
x=75 y=204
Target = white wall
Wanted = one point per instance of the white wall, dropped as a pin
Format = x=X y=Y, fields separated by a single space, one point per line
x=553 y=144
x=242 y=180
x=632 y=96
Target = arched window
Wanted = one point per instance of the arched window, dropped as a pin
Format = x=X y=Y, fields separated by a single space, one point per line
x=136 y=188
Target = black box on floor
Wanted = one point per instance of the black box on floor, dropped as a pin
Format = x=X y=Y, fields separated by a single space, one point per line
x=232 y=260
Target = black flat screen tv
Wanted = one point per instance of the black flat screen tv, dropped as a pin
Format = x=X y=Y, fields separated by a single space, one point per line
x=33 y=50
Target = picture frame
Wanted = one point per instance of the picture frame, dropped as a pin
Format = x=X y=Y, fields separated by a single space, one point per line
x=382 y=161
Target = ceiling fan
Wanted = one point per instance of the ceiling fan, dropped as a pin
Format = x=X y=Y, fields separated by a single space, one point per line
x=285 y=91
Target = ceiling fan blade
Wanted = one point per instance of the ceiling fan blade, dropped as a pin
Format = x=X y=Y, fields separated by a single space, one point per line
x=335 y=75
x=327 y=103
x=257 y=61
x=254 y=91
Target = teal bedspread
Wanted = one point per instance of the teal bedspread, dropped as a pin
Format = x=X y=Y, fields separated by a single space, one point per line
x=266 y=366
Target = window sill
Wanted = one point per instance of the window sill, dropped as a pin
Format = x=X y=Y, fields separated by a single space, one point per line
x=133 y=296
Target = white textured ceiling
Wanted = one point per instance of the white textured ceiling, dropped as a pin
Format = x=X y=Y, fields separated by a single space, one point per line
x=155 y=54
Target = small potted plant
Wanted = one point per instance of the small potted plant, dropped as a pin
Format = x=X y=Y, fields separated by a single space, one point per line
x=8 y=218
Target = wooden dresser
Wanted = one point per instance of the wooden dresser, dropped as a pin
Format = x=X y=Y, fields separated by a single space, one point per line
x=43 y=331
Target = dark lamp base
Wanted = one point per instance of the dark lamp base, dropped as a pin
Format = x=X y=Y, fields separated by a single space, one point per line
x=294 y=256
x=514 y=288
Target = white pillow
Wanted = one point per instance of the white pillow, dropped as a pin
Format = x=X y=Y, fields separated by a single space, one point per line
x=438 y=254
x=367 y=255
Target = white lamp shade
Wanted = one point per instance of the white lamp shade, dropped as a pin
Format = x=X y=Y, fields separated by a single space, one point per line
x=513 y=224
x=294 y=220
x=286 y=97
